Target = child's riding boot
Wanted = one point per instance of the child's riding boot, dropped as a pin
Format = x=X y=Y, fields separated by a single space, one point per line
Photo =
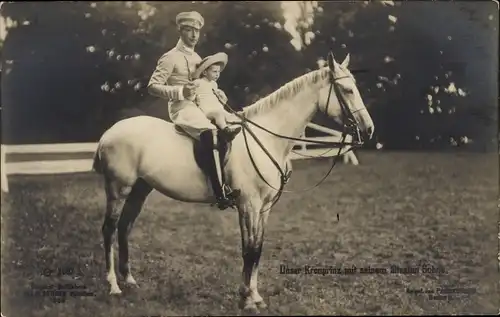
x=230 y=132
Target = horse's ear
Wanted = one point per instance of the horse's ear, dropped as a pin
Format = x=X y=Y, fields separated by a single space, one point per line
x=331 y=62
x=345 y=63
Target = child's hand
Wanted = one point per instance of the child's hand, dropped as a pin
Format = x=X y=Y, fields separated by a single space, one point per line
x=221 y=95
x=232 y=118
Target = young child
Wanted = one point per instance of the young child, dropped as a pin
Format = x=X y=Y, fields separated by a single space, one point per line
x=205 y=77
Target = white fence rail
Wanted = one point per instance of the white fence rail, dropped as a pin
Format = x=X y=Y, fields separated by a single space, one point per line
x=305 y=152
x=51 y=166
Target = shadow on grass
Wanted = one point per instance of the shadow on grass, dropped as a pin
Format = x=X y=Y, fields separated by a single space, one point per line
x=395 y=208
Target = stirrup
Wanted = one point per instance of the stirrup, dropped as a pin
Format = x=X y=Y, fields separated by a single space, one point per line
x=228 y=199
x=230 y=193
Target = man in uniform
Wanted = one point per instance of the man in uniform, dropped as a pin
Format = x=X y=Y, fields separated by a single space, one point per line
x=171 y=80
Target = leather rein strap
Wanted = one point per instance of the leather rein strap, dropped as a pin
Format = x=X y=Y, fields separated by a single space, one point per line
x=286 y=174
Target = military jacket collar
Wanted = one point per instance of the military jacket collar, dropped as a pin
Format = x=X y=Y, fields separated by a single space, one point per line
x=184 y=48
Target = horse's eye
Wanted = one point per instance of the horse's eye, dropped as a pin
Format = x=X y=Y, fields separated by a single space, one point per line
x=349 y=90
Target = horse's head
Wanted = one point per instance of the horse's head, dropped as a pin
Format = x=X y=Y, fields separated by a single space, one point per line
x=341 y=100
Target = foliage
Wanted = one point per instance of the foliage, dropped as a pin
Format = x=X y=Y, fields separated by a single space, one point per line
x=92 y=60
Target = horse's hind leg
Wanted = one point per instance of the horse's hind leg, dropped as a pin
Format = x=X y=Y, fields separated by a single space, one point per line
x=115 y=196
x=131 y=210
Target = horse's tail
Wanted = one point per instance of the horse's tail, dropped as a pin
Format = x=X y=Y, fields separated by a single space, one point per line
x=97 y=165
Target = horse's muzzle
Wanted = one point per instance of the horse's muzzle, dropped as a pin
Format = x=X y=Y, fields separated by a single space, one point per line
x=363 y=135
x=365 y=125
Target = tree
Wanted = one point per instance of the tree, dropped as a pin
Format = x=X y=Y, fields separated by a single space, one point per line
x=89 y=62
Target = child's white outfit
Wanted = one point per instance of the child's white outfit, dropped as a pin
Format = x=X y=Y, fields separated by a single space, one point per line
x=209 y=103
x=207 y=100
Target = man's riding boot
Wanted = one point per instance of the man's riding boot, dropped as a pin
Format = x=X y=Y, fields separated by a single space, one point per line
x=209 y=140
x=229 y=193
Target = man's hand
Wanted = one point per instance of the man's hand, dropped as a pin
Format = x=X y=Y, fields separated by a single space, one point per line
x=221 y=95
x=189 y=90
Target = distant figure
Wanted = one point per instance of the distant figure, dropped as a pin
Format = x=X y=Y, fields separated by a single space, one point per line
x=206 y=76
x=172 y=81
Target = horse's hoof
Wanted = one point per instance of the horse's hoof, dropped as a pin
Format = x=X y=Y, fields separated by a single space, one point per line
x=261 y=305
x=249 y=308
x=131 y=281
x=115 y=291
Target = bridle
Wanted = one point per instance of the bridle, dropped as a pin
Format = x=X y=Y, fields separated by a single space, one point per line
x=349 y=125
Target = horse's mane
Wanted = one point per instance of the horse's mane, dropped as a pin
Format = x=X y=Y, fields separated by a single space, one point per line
x=288 y=90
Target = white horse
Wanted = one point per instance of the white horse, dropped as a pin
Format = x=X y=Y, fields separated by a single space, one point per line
x=139 y=154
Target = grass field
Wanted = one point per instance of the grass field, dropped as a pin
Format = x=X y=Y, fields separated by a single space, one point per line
x=402 y=209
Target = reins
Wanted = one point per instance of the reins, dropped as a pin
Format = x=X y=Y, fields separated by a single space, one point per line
x=285 y=175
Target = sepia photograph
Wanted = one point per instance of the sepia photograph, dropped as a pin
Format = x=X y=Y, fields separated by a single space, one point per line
x=194 y=158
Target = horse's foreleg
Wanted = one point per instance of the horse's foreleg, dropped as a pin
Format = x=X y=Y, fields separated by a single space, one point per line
x=252 y=225
x=264 y=213
x=114 y=205
x=131 y=210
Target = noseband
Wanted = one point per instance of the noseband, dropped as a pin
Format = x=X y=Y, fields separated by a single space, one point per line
x=349 y=122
